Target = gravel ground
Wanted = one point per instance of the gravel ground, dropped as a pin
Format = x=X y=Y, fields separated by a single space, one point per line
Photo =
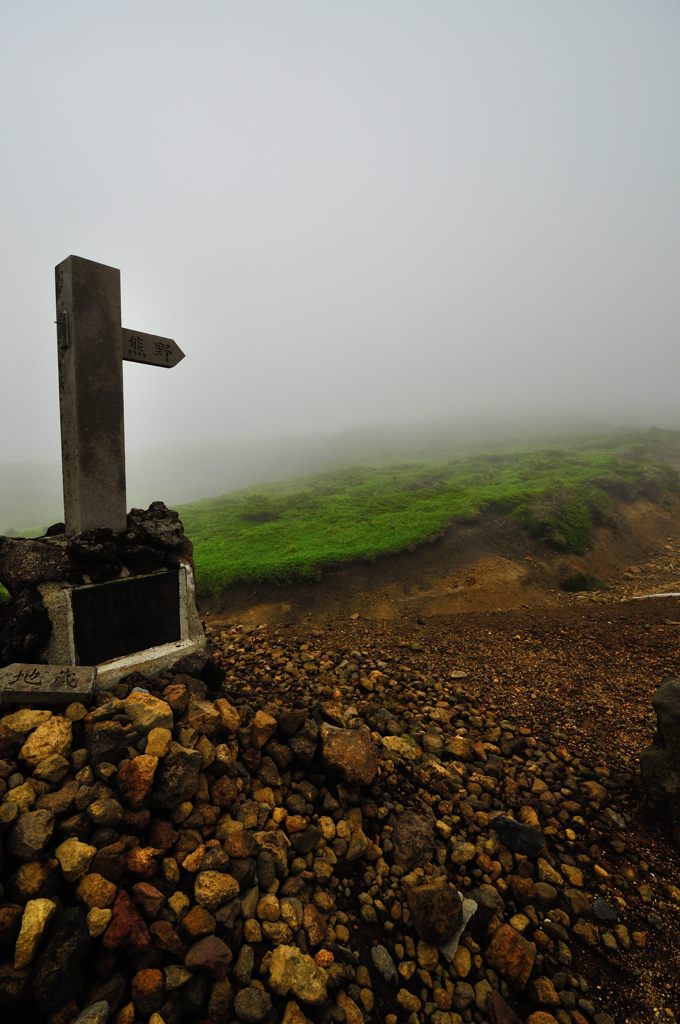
x=301 y=833
x=578 y=686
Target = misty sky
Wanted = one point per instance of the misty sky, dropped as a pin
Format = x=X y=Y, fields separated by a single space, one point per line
x=346 y=213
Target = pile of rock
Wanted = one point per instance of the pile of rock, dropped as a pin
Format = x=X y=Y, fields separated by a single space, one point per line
x=284 y=851
x=154 y=539
x=660 y=762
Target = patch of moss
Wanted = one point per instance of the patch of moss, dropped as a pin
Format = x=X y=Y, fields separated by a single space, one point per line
x=562 y=517
x=580 y=581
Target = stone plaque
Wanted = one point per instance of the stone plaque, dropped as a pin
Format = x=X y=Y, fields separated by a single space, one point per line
x=114 y=619
x=46 y=684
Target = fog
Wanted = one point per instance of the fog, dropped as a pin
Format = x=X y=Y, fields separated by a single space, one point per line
x=31 y=492
x=347 y=214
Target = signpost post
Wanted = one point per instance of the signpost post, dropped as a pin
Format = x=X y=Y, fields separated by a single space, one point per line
x=91 y=395
x=92 y=347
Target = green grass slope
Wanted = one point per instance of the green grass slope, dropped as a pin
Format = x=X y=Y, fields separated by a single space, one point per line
x=293 y=530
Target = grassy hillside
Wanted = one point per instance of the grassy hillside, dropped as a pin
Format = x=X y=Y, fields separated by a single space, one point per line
x=295 y=529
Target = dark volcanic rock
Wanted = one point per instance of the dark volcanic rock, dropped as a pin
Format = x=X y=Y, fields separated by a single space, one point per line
x=24 y=628
x=605 y=911
x=111 y=991
x=304 y=743
x=489 y=903
x=14 y=989
x=211 y=955
x=139 y=558
x=413 y=837
x=106 y=741
x=307 y=840
x=158 y=527
x=436 y=911
x=25 y=561
x=291 y=721
x=30 y=834
x=95 y=554
x=60 y=968
x=177 y=776
x=349 y=752
x=154 y=538
x=10 y=922
x=660 y=762
x=252 y=1005
x=499 y=1012
x=519 y=838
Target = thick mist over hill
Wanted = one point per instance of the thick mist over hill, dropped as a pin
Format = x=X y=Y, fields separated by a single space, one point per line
x=31 y=497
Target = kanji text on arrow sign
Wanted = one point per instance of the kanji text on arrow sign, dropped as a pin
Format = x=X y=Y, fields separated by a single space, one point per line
x=92 y=344
x=149 y=348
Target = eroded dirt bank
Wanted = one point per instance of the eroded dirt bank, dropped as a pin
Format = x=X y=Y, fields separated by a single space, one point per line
x=489 y=565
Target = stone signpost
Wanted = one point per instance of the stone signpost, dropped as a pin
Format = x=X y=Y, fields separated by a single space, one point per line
x=92 y=345
x=109 y=590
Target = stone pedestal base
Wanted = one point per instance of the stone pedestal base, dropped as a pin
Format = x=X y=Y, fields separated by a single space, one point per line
x=137 y=623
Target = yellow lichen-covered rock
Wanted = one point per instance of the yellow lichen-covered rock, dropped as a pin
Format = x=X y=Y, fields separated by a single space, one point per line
x=54 y=736
x=37 y=914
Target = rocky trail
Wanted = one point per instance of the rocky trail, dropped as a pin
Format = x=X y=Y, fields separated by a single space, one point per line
x=534 y=721
x=300 y=835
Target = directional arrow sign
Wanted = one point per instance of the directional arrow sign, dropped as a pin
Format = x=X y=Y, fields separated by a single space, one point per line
x=149 y=348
